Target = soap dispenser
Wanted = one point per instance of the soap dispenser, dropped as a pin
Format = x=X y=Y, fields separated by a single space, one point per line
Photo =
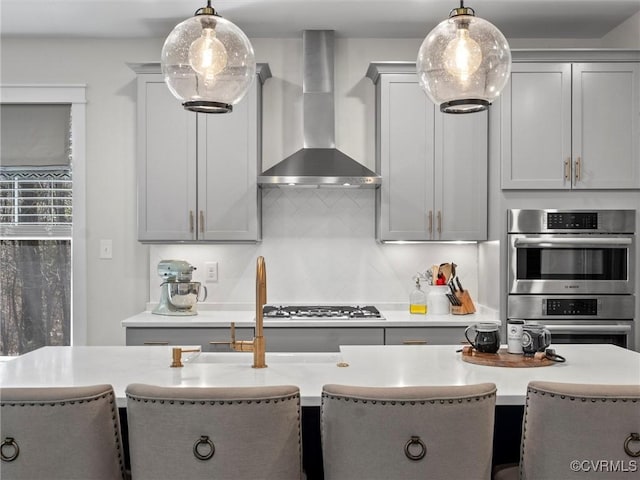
x=418 y=300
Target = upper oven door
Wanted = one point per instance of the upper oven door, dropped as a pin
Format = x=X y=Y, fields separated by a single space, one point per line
x=575 y=264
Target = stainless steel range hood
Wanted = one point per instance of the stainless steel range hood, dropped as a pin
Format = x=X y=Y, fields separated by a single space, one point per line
x=319 y=163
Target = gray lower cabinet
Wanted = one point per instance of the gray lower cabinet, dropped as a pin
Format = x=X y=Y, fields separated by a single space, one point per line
x=297 y=339
x=302 y=339
x=320 y=339
x=186 y=336
x=425 y=336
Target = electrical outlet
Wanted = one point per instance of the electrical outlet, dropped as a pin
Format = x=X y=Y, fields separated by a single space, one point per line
x=106 y=249
x=211 y=274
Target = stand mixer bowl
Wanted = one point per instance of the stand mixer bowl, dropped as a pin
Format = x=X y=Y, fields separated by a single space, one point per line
x=184 y=295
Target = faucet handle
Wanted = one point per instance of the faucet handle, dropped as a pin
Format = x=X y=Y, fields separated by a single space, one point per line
x=176 y=353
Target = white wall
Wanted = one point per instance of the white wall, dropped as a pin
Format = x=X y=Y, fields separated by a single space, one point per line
x=121 y=287
x=625 y=35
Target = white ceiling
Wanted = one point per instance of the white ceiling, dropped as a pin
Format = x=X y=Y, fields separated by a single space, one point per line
x=287 y=18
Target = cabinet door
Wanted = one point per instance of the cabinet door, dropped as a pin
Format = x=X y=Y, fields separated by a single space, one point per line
x=406 y=119
x=166 y=164
x=319 y=339
x=185 y=336
x=425 y=336
x=460 y=188
x=227 y=172
x=536 y=127
x=606 y=125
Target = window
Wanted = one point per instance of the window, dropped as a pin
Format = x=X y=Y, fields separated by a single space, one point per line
x=42 y=266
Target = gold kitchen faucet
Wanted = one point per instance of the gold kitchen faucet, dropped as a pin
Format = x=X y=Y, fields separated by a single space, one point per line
x=257 y=345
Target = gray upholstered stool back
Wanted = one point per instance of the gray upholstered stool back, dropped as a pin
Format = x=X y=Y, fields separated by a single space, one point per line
x=566 y=427
x=60 y=433
x=223 y=433
x=407 y=432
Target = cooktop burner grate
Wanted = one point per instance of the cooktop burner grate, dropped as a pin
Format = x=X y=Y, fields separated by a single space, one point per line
x=333 y=312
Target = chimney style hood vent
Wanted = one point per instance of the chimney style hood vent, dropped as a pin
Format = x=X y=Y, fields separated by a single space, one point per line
x=319 y=163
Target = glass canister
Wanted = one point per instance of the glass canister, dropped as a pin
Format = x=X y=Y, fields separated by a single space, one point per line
x=437 y=301
x=418 y=300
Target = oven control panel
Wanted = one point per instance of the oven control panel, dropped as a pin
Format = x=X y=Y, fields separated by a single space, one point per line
x=572 y=220
x=572 y=306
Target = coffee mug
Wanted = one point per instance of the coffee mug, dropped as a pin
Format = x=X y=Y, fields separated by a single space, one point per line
x=486 y=338
x=535 y=338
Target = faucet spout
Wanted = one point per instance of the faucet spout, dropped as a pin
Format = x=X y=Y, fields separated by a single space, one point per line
x=259 y=346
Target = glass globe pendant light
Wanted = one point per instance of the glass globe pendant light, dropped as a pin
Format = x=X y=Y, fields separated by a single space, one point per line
x=208 y=62
x=464 y=62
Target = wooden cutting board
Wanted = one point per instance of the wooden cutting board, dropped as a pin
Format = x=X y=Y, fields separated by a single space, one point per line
x=504 y=359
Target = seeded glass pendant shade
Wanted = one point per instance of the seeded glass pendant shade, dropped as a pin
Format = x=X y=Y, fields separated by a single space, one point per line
x=208 y=62
x=464 y=63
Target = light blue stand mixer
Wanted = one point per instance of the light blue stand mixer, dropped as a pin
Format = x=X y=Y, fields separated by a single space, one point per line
x=178 y=294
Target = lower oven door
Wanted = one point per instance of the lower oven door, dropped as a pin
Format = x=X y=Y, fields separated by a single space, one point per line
x=618 y=333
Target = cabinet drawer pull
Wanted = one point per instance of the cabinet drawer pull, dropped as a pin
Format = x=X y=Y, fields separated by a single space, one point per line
x=414 y=342
x=439 y=223
x=191 y=221
x=156 y=343
x=430 y=222
x=201 y=221
x=567 y=169
x=578 y=170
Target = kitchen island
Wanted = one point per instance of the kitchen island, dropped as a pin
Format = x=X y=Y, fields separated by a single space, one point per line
x=391 y=365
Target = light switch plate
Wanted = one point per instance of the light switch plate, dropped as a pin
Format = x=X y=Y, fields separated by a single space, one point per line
x=106 y=249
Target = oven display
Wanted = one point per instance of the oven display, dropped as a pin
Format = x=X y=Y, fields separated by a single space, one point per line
x=572 y=306
x=572 y=220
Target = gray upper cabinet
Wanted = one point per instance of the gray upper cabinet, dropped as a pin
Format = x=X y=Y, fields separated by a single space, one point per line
x=433 y=165
x=196 y=173
x=571 y=125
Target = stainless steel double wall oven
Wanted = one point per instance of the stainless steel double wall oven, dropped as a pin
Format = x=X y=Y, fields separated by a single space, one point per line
x=574 y=272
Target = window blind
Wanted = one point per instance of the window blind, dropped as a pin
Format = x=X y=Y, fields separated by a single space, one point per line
x=36 y=188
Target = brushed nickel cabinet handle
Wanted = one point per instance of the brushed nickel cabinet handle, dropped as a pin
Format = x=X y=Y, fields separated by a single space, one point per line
x=567 y=169
x=430 y=222
x=439 y=223
x=578 y=170
x=201 y=221
x=414 y=342
x=156 y=343
x=191 y=221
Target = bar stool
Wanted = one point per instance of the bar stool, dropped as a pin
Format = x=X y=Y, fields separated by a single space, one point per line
x=60 y=433
x=214 y=432
x=407 y=432
x=577 y=431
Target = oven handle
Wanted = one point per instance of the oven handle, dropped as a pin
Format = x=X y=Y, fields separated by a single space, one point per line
x=589 y=328
x=581 y=242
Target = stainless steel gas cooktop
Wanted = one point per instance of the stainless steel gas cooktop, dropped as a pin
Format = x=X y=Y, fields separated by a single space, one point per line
x=315 y=312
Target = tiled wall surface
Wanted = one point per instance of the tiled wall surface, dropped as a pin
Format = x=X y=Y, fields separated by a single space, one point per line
x=319 y=246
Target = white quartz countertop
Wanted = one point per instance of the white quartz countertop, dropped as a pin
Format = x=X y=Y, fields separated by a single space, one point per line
x=246 y=318
x=391 y=365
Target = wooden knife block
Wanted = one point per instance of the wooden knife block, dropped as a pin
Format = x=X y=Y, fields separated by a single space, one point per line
x=467 y=304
